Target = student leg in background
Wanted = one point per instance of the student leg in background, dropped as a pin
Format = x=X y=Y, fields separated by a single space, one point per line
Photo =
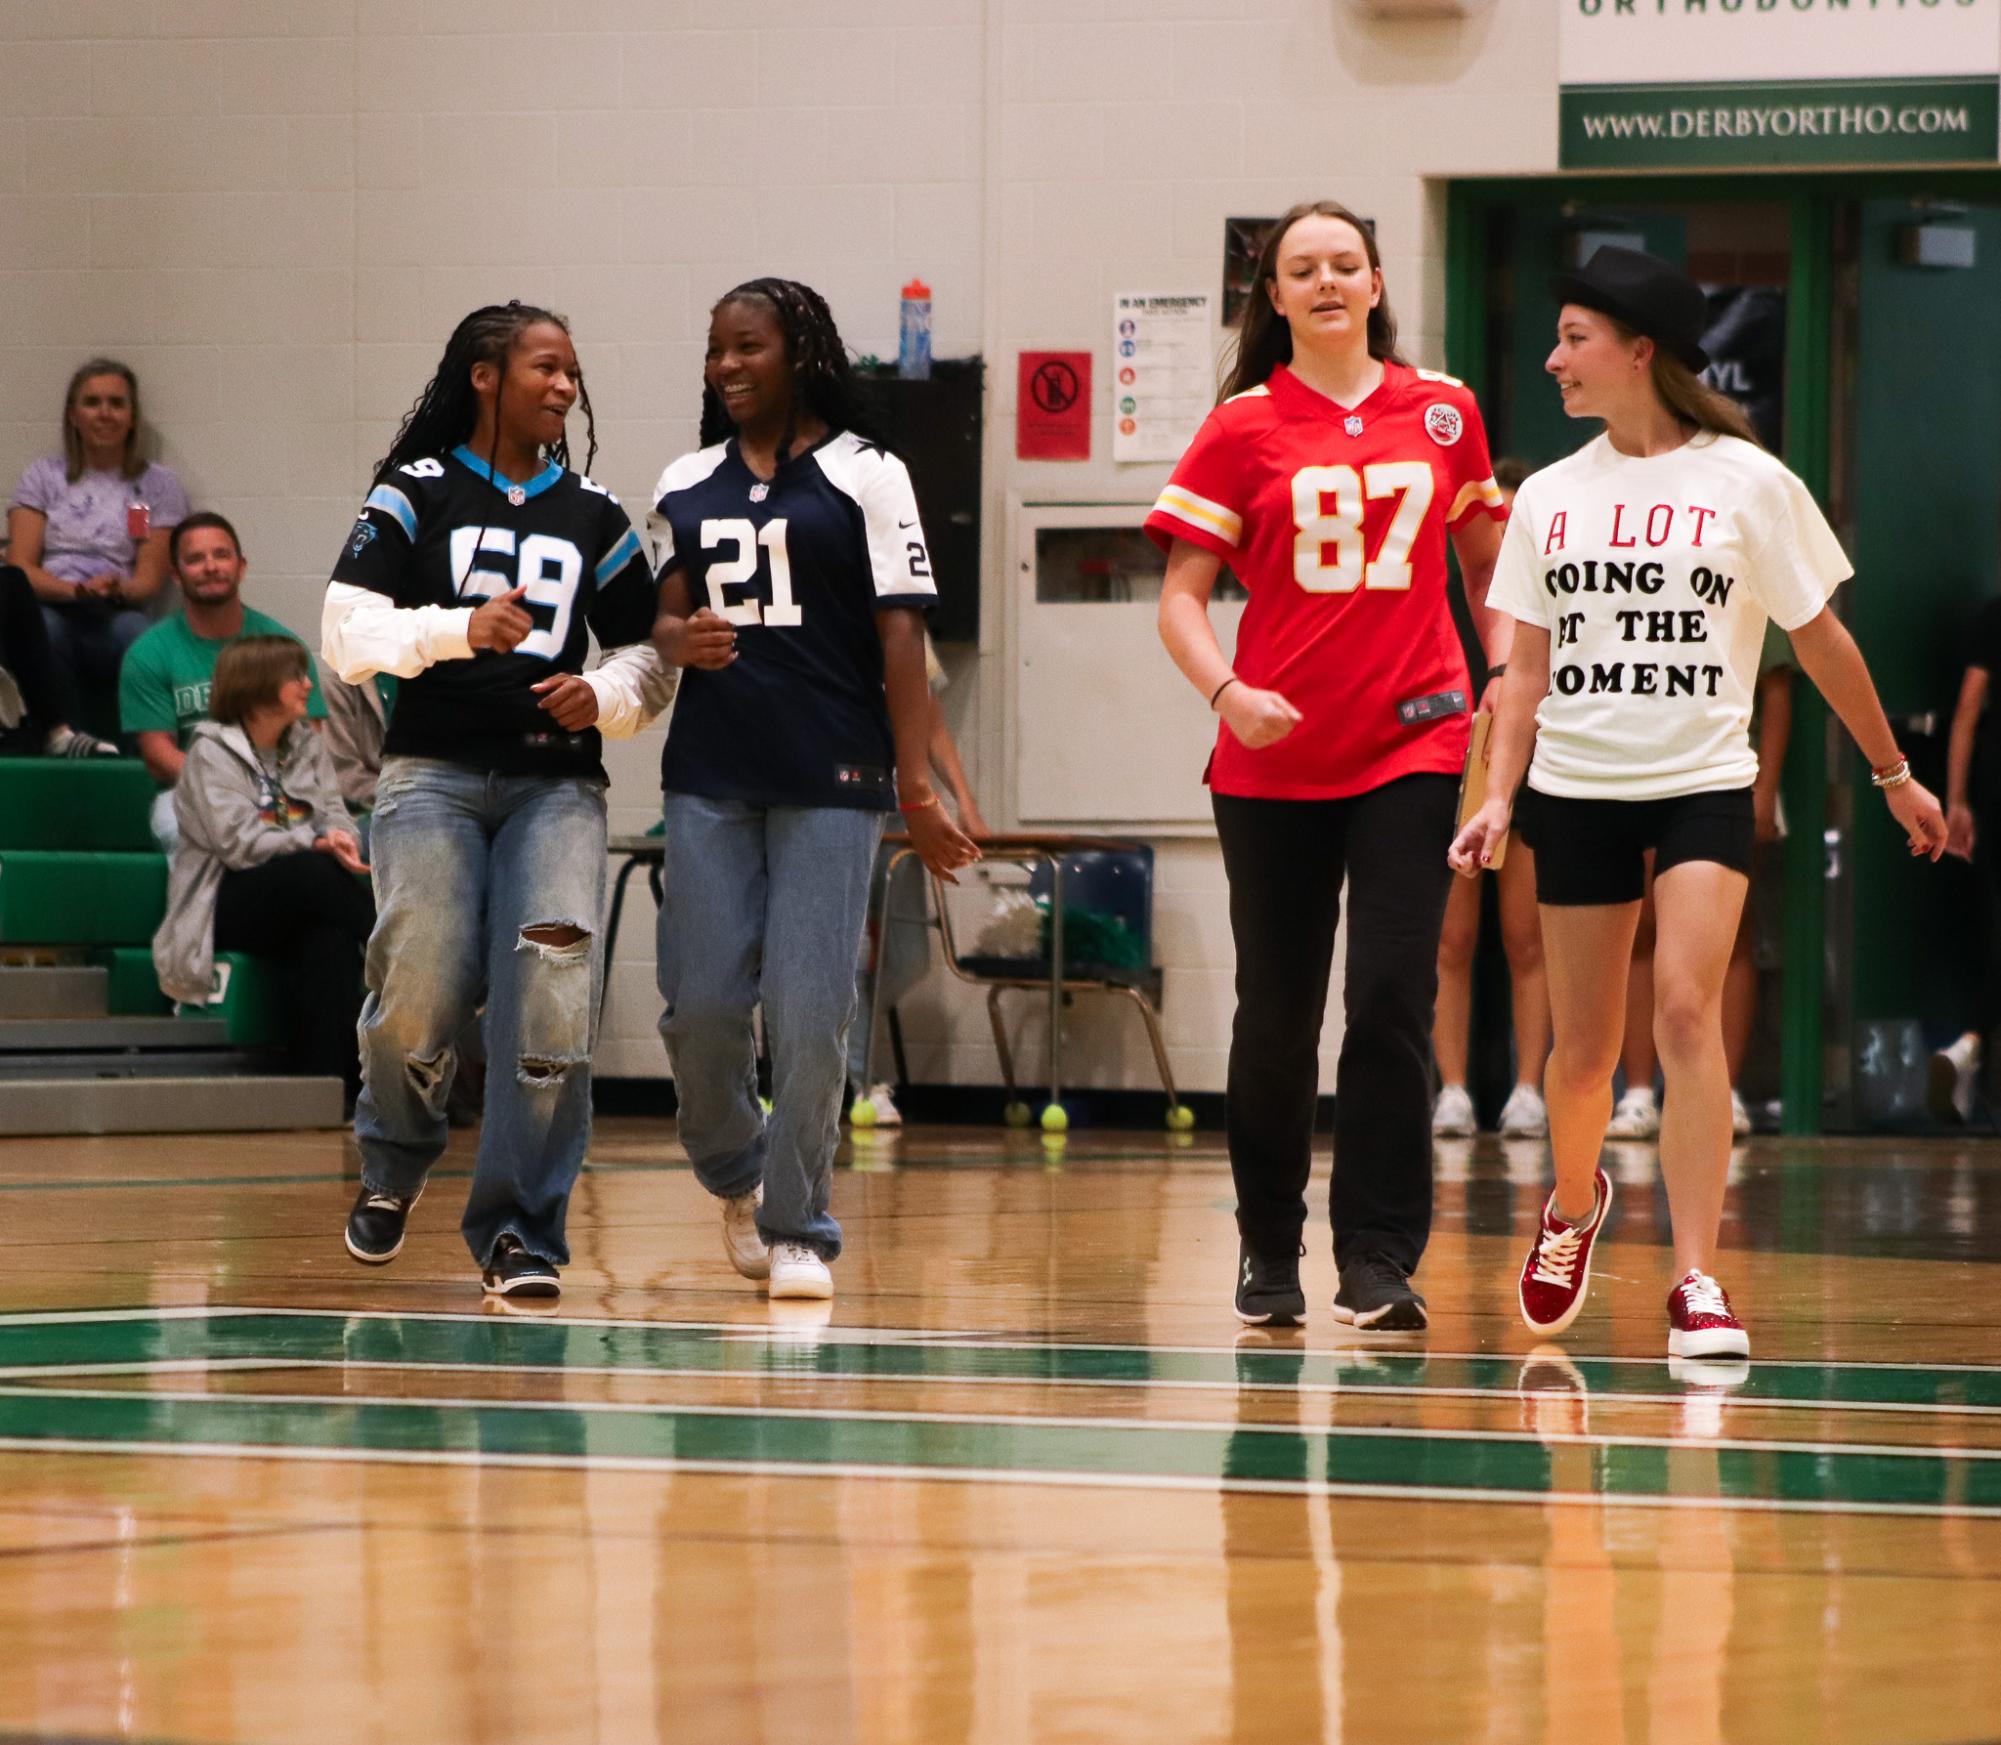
x=544 y=962
x=1638 y=1113
x=1451 y=1030
x=1525 y=1115
x=896 y=964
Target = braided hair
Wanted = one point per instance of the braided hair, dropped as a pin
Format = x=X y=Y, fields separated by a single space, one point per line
x=823 y=379
x=447 y=411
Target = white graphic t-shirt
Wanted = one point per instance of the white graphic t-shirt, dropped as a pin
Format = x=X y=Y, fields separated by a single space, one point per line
x=1655 y=579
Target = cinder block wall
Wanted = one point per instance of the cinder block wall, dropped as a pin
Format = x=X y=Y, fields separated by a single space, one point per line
x=276 y=211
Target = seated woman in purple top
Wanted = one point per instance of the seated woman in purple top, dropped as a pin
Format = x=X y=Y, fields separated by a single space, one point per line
x=90 y=526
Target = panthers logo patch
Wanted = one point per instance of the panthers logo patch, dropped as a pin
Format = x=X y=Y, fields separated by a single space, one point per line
x=1443 y=423
x=364 y=531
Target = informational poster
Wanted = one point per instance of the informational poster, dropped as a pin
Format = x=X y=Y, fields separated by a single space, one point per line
x=1052 y=406
x=1163 y=372
x=1757 y=85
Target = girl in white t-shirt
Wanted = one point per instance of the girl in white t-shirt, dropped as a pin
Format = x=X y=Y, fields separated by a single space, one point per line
x=1641 y=572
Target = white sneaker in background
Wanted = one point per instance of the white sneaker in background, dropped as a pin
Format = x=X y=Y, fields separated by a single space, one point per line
x=1452 y=1114
x=1636 y=1117
x=1955 y=1076
x=741 y=1241
x=797 y=1271
x=1523 y=1115
x=1740 y=1117
x=886 y=1112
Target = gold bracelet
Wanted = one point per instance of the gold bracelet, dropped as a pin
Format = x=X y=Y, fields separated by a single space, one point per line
x=1893 y=775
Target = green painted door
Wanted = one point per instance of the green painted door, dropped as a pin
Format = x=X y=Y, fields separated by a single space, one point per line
x=1918 y=472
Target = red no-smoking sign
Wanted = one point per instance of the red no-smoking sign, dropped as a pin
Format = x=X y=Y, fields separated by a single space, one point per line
x=1052 y=406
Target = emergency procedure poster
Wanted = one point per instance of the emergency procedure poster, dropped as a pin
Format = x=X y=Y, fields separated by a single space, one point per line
x=1163 y=372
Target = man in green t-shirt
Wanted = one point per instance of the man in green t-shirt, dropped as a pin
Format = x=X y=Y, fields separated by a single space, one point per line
x=163 y=684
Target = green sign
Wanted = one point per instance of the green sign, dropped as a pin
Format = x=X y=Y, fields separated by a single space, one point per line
x=1774 y=123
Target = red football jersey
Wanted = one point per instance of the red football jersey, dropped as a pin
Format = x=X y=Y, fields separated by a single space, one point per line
x=1334 y=519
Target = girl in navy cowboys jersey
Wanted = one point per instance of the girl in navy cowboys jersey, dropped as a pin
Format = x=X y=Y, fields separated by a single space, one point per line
x=477 y=573
x=793 y=579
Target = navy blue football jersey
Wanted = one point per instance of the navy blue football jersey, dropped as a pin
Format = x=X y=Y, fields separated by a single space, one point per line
x=449 y=532
x=800 y=564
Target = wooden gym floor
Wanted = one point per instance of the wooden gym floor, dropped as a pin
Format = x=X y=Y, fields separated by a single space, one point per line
x=1025 y=1482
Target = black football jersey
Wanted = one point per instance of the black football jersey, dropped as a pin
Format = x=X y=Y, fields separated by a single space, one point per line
x=450 y=532
x=801 y=564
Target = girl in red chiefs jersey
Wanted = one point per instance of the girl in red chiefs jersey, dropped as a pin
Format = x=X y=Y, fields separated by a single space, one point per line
x=1328 y=480
x=1643 y=571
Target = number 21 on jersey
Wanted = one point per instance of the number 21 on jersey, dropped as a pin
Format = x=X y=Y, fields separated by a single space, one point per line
x=1328 y=504
x=734 y=572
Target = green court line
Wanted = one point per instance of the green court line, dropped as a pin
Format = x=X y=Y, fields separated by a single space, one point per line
x=144 y=1339
x=1125 y=1455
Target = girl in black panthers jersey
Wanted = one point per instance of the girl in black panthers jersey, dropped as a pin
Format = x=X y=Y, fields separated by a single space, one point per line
x=477 y=573
x=793 y=579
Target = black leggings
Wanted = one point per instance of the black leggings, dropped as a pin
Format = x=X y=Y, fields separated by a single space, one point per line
x=1286 y=860
x=314 y=916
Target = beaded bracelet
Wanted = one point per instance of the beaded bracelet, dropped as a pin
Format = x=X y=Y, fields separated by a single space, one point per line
x=1891 y=775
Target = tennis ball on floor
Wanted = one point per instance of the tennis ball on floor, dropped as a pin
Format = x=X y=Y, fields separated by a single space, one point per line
x=1055 y=1119
x=862 y=1114
x=1180 y=1118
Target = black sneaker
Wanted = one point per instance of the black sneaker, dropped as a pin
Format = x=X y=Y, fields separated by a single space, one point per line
x=375 y=1226
x=1375 y=1293
x=514 y=1272
x=1268 y=1293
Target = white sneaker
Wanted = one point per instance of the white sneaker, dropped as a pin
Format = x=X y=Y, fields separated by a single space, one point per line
x=886 y=1114
x=797 y=1271
x=741 y=1241
x=1452 y=1114
x=1523 y=1115
x=1955 y=1076
x=1740 y=1117
x=1636 y=1117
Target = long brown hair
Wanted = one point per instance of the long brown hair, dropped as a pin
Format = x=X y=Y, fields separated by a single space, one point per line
x=250 y=672
x=1264 y=341
x=73 y=456
x=1686 y=394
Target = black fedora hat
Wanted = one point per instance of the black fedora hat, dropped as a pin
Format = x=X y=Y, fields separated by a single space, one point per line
x=1644 y=292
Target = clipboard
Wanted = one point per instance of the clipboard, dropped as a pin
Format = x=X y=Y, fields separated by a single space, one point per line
x=1473 y=785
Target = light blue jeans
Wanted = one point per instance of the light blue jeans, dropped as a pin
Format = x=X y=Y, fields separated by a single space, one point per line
x=466 y=863
x=764 y=903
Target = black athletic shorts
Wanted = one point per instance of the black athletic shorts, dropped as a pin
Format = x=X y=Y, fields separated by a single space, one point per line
x=1594 y=851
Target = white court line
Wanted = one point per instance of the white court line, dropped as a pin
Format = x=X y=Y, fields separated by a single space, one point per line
x=981 y=1475
x=1005 y=1421
x=905 y=1335
x=1302 y=1389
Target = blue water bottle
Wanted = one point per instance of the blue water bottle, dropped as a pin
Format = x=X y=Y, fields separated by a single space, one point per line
x=913 y=346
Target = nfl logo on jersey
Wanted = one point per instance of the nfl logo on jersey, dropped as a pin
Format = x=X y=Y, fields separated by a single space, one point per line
x=1443 y=423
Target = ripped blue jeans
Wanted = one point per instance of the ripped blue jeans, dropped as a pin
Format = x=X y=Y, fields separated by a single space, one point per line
x=479 y=878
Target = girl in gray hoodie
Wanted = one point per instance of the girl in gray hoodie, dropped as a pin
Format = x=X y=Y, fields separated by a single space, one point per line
x=268 y=857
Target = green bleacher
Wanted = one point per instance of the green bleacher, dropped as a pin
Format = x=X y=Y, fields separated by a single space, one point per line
x=79 y=873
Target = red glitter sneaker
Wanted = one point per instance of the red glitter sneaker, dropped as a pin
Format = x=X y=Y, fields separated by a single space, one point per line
x=1558 y=1269
x=1700 y=1322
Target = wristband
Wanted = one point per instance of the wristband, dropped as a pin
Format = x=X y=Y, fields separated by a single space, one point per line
x=1494 y=672
x=919 y=805
x=1220 y=689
